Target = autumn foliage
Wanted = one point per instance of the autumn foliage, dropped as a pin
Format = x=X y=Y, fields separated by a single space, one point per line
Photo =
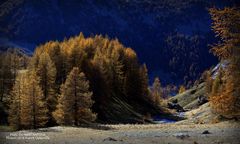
x=28 y=107
x=75 y=101
x=181 y=89
x=225 y=95
x=157 y=92
x=74 y=81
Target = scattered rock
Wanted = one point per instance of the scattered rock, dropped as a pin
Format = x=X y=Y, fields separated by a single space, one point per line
x=206 y=132
x=175 y=106
x=193 y=91
x=202 y=100
x=109 y=139
x=181 y=135
x=175 y=101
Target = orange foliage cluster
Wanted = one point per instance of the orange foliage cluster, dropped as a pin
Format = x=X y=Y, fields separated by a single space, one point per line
x=225 y=95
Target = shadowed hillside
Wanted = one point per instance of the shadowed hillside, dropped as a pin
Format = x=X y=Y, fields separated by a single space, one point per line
x=157 y=30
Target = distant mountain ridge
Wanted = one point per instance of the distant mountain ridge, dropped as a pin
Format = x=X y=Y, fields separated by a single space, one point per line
x=143 y=25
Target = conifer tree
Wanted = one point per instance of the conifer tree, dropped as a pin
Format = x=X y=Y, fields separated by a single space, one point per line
x=156 y=91
x=116 y=70
x=226 y=24
x=144 y=82
x=75 y=100
x=209 y=81
x=133 y=80
x=27 y=108
x=76 y=52
x=181 y=89
x=217 y=83
x=14 y=118
x=60 y=114
x=58 y=54
x=34 y=110
x=47 y=72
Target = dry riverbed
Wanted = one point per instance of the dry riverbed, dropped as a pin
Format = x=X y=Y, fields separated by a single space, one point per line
x=224 y=132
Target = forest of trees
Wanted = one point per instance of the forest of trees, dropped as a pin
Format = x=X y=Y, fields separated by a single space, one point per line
x=82 y=80
x=76 y=81
x=187 y=57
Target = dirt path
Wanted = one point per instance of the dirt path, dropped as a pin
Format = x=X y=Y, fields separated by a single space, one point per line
x=225 y=132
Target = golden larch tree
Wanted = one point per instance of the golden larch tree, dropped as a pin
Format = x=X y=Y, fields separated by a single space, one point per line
x=15 y=108
x=46 y=71
x=157 y=91
x=34 y=108
x=181 y=89
x=75 y=101
x=226 y=24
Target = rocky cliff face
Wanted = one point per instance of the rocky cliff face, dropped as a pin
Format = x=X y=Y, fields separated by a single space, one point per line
x=146 y=26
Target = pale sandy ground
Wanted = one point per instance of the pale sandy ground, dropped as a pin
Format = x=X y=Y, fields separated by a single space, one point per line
x=225 y=132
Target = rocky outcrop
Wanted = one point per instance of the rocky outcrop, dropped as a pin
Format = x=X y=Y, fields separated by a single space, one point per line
x=176 y=106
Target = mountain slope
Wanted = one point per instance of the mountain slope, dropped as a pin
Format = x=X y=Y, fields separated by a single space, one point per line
x=145 y=26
